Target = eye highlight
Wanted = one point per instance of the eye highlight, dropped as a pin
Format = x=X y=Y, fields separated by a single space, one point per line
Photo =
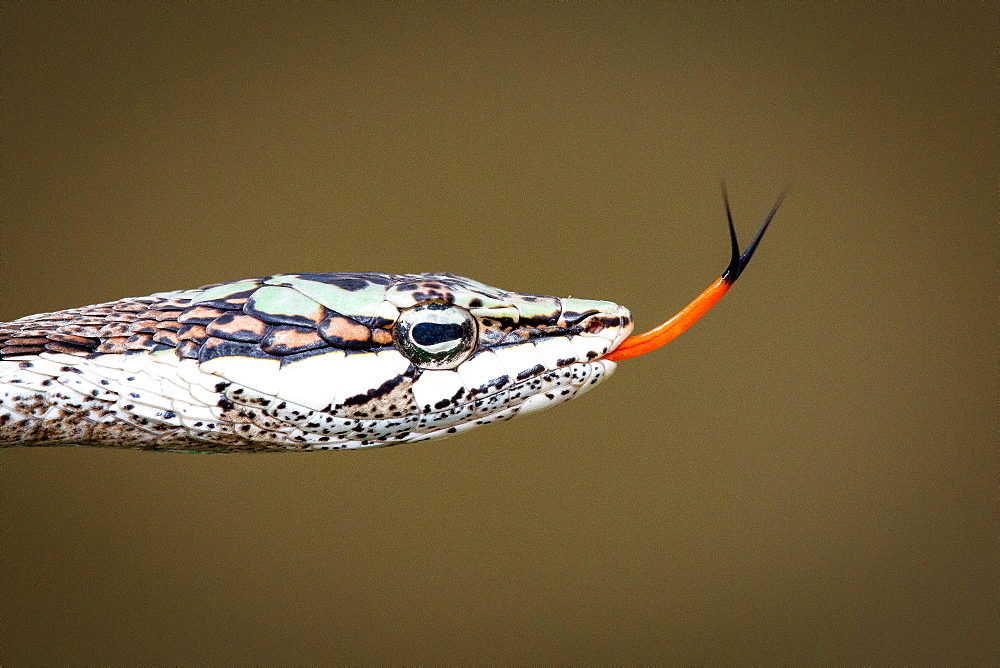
x=435 y=335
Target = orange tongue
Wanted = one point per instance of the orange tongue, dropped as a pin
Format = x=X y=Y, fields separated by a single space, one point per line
x=641 y=344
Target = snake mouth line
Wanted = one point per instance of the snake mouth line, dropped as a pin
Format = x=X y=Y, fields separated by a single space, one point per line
x=641 y=344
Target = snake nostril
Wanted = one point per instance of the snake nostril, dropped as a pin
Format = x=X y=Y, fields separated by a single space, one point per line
x=594 y=326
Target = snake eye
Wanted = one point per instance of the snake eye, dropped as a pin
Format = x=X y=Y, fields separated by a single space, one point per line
x=435 y=335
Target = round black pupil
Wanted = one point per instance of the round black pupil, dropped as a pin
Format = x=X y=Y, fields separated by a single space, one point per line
x=429 y=333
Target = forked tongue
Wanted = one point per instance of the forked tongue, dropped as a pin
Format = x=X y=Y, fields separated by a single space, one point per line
x=640 y=344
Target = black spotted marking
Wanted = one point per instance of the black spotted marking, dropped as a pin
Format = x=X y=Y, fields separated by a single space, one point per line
x=571 y=318
x=166 y=338
x=374 y=393
x=539 y=320
x=200 y=315
x=68 y=348
x=528 y=373
x=352 y=282
x=113 y=329
x=433 y=295
x=142 y=326
x=74 y=340
x=142 y=341
x=193 y=332
x=214 y=347
x=499 y=383
x=11 y=351
x=295 y=320
x=371 y=321
x=289 y=340
x=236 y=326
x=188 y=349
x=345 y=333
x=233 y=302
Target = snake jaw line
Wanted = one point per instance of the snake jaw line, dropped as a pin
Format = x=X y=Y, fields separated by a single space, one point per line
x=640 y=344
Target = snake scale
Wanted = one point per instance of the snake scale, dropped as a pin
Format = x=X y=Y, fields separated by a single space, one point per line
x=313 y=361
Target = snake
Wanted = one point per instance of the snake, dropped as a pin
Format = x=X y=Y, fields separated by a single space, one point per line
x=315 y=361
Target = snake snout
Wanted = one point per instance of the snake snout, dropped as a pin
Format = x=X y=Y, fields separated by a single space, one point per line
x=613 y=325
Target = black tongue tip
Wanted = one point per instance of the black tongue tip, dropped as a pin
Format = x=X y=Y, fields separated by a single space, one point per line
x=740 y=261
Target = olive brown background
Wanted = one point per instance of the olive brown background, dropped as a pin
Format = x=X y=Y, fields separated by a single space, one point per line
x=808 y=475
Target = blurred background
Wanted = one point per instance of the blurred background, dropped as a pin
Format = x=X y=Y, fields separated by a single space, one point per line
x=809 y=475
